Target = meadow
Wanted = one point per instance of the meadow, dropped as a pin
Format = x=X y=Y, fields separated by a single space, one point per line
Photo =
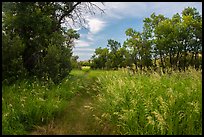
x=134 y=104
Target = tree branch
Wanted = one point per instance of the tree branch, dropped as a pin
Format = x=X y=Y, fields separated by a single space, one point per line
x=68 y=12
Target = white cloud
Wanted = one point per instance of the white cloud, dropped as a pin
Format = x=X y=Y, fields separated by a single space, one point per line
x=95 y=25
x=83 y=49
x=82 y=43
x=83 y=55
x=171 y=8
x=90 y=37
x=119 y=10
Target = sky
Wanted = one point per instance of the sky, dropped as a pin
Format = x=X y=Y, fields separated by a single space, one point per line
x=118 y=17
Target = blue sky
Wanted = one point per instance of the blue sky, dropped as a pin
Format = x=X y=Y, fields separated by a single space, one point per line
x=118 y=17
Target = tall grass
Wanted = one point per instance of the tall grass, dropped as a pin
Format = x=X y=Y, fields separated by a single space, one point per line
x=151 y=103
x=30 y=103
x=134 y=104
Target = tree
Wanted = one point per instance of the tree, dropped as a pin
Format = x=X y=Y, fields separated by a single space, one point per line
x=173 y=43
x=192 y=22
x=74 y=62
x=131 y=44
x=12 y=63
x=100 y=58
x=174 y=40
x=114 y=59
x=39 y=27
x=123 y=57
x=140 y=48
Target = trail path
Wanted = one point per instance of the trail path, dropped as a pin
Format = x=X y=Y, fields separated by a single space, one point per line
x=77 y=118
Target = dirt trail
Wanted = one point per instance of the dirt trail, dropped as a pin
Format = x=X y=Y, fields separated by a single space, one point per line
x=77 y=119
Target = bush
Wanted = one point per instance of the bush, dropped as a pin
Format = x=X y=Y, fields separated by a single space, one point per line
x=56 y=64
x=12 y=63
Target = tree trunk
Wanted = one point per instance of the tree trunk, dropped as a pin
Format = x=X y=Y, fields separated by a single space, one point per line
x=196 y=61
x=180 y=63
x=192 y=62
x=170 y=57
x=185 y=60
x=162 y=62
x=177 y=60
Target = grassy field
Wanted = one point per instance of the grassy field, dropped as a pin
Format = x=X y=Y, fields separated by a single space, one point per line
x=121 y=102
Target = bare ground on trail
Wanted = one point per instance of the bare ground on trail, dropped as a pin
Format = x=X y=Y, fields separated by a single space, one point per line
x=77 y=119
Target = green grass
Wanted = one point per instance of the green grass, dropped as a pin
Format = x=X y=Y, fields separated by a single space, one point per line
x=29 y=103
x=131 y=104
x=152 y=104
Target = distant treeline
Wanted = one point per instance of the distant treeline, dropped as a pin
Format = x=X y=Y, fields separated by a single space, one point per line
x=174 y=43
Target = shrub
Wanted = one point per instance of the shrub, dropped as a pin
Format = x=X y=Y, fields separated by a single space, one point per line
x=12 y=63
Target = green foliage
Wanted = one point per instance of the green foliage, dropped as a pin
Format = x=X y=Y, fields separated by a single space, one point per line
x=42 y=50
x=85 y=63
x=12 y=63
x=57 y=63
x=74 y=63
x=100 y=58
x=173 y=42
